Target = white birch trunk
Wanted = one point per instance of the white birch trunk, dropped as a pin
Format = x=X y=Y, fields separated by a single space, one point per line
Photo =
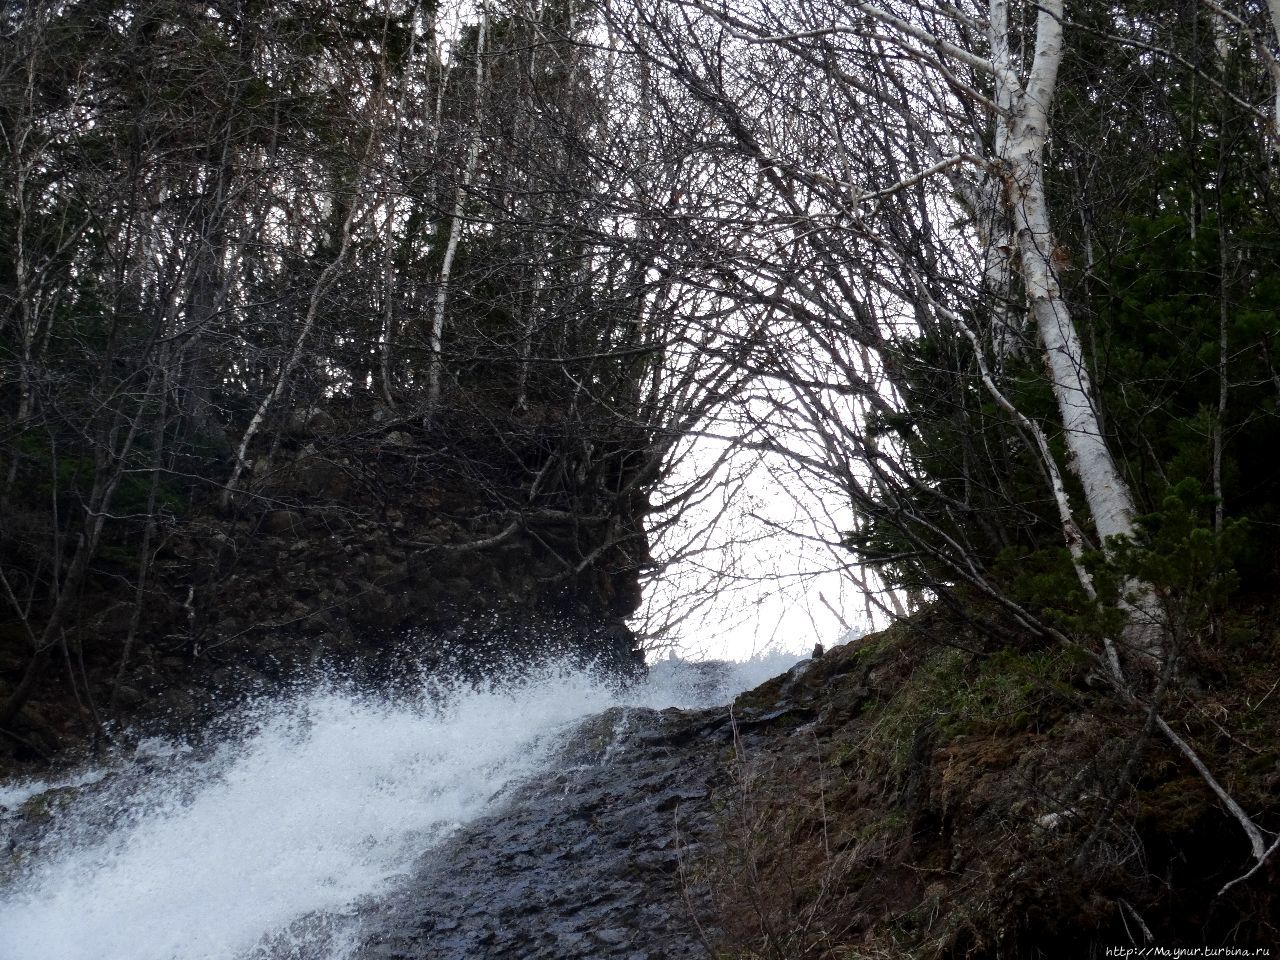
x=327 y=278
x=1025 y=132
x=455 y=230
x=995 y=229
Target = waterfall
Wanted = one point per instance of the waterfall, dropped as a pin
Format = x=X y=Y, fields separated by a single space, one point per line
x=266 y=843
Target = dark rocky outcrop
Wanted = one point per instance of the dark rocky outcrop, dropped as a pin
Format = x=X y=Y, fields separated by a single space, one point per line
x=363 y=542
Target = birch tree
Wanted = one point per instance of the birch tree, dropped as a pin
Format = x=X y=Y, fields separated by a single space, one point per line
x=1021 y=139
x=906 y=255
x=977 y=93
x=456 y=222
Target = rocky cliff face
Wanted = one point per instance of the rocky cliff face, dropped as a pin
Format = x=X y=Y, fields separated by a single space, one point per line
x=372 y=545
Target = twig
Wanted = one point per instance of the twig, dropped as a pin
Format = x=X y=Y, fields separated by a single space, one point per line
x=1256 y=867
x=1256 y=842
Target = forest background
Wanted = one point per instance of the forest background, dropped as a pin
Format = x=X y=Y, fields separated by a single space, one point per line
x=992 y=287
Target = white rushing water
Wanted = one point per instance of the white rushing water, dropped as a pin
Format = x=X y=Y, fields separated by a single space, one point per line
x=265 y=845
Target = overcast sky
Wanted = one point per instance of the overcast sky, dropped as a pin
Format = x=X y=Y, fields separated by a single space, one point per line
x=764 y=577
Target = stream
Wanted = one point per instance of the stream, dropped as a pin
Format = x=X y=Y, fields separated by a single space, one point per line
x=319 y=825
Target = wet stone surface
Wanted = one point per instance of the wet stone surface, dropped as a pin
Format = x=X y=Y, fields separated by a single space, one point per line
x=583 y=864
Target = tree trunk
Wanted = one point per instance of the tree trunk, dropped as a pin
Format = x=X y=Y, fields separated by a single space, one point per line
x=455 y=230
x=328 y=277
x=1026 y=130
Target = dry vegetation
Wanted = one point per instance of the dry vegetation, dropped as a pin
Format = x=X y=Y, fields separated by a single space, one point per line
x=915 y=800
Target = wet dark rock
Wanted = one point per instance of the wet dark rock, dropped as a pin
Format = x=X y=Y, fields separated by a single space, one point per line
x=584 y=864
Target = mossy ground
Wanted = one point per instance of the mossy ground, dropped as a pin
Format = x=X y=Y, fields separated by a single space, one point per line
x=951 y=802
